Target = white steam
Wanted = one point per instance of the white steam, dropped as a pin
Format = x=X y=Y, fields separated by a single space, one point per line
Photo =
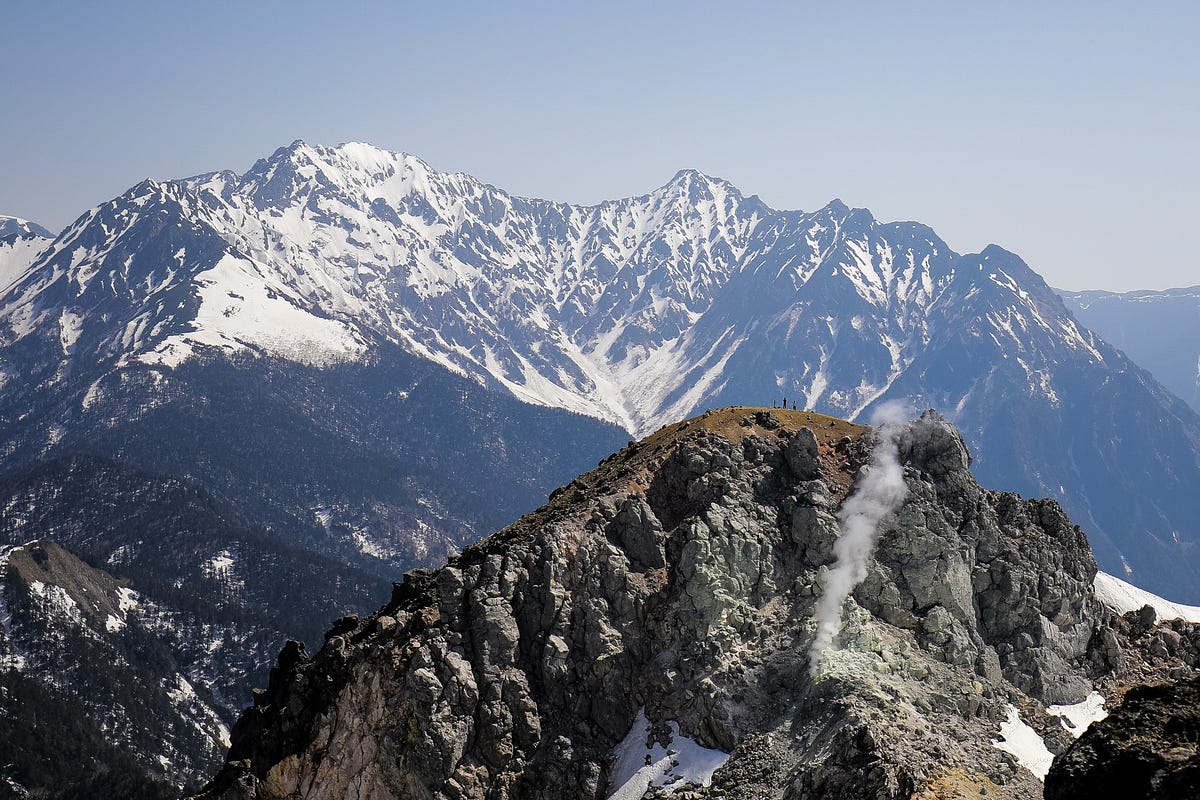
x=879 y=494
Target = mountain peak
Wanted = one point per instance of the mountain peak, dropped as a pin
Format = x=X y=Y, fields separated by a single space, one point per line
x=350 y=170
x=688 y=174
x=837 y=209
x=16 y=226
x=732 y=424
x=666 y=584
x=1014 y=266
x=693 y=186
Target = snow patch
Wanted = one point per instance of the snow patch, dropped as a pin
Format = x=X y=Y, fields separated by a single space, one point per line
x=221 y=569
x=182 y=691
x=241 y=309
x=93 y=394
x=124 y=554
x=640 y=766
x=1082 y=714
x=70 y=325
x=127 y=599
x=221 y=563
x=324 y=515
x=1024 y=743
x=54 y=599
x=367 y=547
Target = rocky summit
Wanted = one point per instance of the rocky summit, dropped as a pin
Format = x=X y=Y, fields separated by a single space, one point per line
x=647 y=632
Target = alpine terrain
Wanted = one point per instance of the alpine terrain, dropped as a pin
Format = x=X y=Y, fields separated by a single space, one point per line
x=344 y=343
x=129 y=642
x=234 y=407
x=648 y=632
x=20 y=242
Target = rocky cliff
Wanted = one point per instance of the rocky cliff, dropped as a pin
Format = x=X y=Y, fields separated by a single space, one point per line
x=648 y=630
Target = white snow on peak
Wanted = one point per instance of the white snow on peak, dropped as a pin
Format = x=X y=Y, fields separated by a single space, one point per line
x=17 y=256
x=1024 y=743
x=637 y=310
x=22 y=227
x=640 y=766
x=1124 y=597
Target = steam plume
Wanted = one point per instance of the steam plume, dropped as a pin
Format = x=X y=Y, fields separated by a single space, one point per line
x=879 y=493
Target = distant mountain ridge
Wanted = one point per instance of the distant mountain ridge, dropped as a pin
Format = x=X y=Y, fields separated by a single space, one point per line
x=20 y=243
x=1158 y=329
x=635 y=311
x=130 y=642
x=10 y=226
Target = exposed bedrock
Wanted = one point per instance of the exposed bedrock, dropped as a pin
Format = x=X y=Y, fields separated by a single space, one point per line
x=680 y=577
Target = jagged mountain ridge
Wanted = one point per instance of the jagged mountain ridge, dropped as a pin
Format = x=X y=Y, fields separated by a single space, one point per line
x=638 y=311
x=563 y=305
x=676 y=583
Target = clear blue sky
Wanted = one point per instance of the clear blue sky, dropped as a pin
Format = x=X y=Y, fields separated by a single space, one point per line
x=1067 y=132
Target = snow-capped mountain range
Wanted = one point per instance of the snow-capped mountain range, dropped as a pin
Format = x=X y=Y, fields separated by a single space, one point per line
x=636 y=311
x=631 y=310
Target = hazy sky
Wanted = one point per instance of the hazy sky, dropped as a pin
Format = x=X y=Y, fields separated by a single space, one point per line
x=1066 y=132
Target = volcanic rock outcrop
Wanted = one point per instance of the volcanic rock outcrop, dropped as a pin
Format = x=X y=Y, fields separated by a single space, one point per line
x=676 y=583
x=1148 y=748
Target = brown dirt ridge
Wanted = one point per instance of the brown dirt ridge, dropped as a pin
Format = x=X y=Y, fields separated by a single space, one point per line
x=632 y=467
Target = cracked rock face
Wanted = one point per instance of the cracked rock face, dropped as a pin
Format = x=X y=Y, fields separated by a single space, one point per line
x=680 y=577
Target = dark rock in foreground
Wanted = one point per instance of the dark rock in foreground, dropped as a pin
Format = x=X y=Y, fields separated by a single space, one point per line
x=1149 y=747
